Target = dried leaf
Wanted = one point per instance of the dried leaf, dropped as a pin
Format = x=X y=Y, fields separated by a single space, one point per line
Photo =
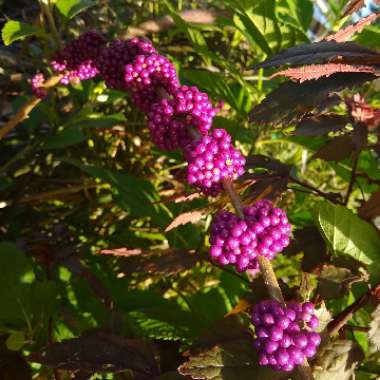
x=321 y=125
x=292 y=100
x=344 y=34
x=336 y=149
x=100 y=352
x=321 y=52
x=124 y=252
x=371 y=208
x=313 y=72
x=337 y=360
x=374 y=330
x=187 y=217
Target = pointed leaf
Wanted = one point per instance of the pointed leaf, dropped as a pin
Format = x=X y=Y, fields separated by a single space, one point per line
x=292 y=100
x=347 y=234
x=337 y=149
x=187 y=217
x=71 y=8
x=311 y=72
x=320 y=52
x=321 y=125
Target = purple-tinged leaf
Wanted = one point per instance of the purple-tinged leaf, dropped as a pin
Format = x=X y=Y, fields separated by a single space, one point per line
x=311 y=72
x=100 y=352
x=322 y=52
x=292 y=100
x=321 y=125
x=336 y=149
x=187 y=217
x=344 y=34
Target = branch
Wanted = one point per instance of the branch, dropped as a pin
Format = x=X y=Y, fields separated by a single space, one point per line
x=26 y=109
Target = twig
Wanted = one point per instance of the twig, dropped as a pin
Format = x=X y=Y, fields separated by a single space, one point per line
x=353 y=177
x=315 y=190
x=46 y=9
x=344 y=316
x=26 y=109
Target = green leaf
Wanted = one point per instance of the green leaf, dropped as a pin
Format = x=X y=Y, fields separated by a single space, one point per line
x=16 y=30
x=347 y=234
x=67 y=137
x=15 y=341
x=134 y=195
x=71 y=8
x=15 y=286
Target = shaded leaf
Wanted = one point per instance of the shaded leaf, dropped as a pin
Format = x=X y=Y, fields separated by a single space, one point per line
x=187 y=217
x=230 y=361
x=15 y=341
x=292 y=100
x=321 y=124
x=321 y=52
x=337 y=360
x=309 y=241
x=374 y=330
x=71 y=8
x=371 y=208
x=100 y=351
x=347 y=234
x=170 y=376
x=312 y=72
x=344 y=34
x=16 y=30
x=333 y=282
x=324 y=317
x=337 y=149
x=67 y=137
x=260 y=161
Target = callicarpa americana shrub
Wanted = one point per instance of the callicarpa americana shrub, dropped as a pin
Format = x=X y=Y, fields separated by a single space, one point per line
x=180 y=116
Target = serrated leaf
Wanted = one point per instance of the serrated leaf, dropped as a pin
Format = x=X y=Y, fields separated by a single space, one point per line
x=337 y=361
x=321 y=125
x=344 y=34
x=322 y=52
x=337 y=149
x=71 y=8
x=230 y=361
x=16 y=30
x=347 y=234
x=101 y=352
x=374 y=330
x=187 y=217
x=291 y=100
x=313 y=72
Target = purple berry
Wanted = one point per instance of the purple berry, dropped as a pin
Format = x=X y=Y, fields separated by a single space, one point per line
x=286 y=341
x=37 y=83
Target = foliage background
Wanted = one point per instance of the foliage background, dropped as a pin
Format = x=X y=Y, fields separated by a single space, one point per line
x=80 y=178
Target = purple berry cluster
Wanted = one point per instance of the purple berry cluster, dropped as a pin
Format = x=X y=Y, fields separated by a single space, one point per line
x=37 y=82
x=264 y=232
x=77 y=59
x=170 y=118
x=285 y=336
x=114 y=58
x=212 y=159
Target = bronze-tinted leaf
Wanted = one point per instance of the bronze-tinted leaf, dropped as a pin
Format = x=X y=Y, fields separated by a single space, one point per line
x=124 y=252
x=334 y=282
x=100 y=352
x=321 y=125
x=311 y=72
x=337 y=360
x=353 y=6
x=230 y=361
x=269 y=163
x=371 y=208
x=193 y=216
x=321 y=52
x=292 y=100
x=336 y=149
x=344 y=34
